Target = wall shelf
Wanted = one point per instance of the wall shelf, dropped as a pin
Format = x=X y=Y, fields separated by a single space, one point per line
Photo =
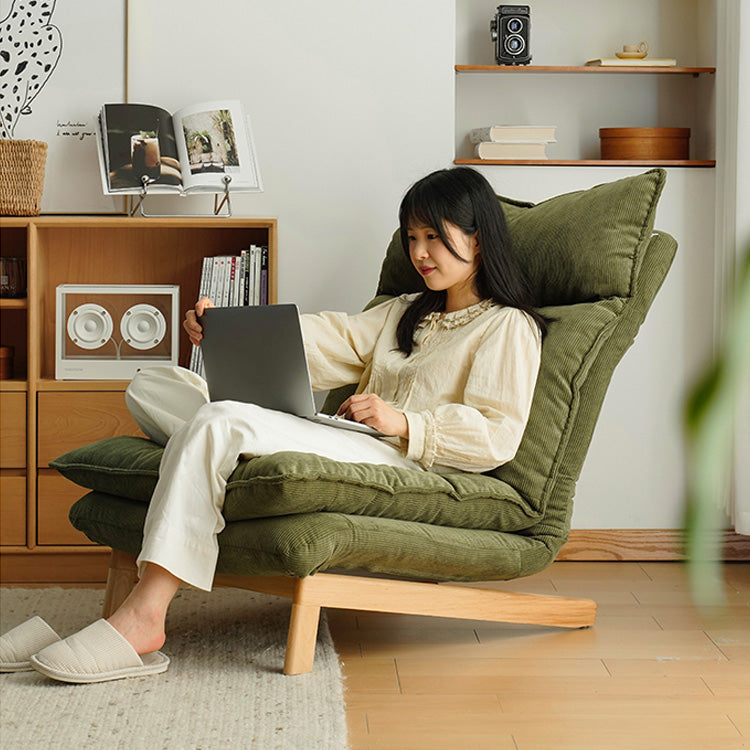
x=13 y=304
x=649 y=96
x=13 y=384
x=651 y=69
x=48 y=384
x=590 y=162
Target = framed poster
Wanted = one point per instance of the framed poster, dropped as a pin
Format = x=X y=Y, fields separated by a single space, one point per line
x=63 y=59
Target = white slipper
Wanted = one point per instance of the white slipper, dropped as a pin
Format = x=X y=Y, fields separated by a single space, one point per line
x=96 y=654
x=20 y=643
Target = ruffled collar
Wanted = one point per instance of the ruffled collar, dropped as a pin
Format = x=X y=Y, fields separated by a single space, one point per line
x=457 y=317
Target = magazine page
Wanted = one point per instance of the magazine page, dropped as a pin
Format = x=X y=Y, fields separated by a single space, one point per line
x=138 y=140
x=214 y=139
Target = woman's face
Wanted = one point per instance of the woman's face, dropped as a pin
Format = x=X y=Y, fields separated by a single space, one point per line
x=440 y=269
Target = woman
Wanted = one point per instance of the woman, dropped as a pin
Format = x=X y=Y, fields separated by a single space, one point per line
x=446 y=375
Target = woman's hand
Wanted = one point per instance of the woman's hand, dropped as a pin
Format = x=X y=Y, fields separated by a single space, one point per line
x=370 y=409
x=191 y=325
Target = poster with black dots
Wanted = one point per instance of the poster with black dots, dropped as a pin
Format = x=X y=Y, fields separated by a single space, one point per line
x=60 y=61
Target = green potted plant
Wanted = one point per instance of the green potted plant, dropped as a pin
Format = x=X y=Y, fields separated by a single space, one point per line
x=710 y=420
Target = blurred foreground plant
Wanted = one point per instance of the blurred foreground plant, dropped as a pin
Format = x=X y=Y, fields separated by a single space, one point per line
x=710 y=417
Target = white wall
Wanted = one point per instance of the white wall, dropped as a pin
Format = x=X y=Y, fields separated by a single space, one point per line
x=353 y=101
x=350 y=102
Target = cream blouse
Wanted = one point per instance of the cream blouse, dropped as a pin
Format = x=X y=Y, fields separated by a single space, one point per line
x=465 y=389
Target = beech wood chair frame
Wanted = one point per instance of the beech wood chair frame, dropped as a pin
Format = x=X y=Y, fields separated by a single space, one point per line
x=343 y=591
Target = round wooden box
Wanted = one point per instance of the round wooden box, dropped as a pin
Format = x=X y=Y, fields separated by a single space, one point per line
x=645 y=143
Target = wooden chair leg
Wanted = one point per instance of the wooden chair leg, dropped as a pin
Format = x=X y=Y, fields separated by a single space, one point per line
x=122 y=576
x=405 y=597
x=303 y=633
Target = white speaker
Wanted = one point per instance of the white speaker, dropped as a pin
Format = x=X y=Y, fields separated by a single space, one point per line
x=110 y=331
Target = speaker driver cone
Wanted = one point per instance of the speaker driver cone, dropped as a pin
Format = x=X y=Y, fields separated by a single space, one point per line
x=90 y=326
x=143 y=326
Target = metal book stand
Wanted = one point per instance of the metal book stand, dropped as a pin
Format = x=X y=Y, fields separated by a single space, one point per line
x=218 y=205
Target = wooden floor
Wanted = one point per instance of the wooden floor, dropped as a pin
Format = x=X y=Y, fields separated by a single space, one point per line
x=652 y=674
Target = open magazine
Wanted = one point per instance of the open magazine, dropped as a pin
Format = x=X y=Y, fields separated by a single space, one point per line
x=186 y=152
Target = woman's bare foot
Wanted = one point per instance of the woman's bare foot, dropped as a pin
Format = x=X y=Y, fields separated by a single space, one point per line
x=144 y=631
x=140 y=618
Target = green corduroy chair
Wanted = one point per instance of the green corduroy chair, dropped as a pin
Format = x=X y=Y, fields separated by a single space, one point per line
x=595 y=265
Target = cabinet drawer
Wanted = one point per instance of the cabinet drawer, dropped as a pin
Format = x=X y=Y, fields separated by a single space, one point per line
x=70 y=420
x=12 y=508
x=55 y=495
x=12 y=430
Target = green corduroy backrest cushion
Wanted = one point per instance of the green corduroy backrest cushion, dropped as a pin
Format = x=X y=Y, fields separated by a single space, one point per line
x=575 y=247
x=582 y=252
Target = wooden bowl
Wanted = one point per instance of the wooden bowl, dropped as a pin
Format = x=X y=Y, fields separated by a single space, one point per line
x=645 y=143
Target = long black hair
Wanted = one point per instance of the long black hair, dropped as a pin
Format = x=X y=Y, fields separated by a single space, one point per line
x=462 y=197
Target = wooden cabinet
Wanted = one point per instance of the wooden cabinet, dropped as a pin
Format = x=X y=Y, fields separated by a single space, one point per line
x=68 y=420
x=12 y=508
x=12 y=430
x=55 y=495
x=41 y=417
x=12 y=468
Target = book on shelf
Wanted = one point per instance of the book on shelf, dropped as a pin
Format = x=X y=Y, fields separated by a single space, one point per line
x=511 y=150
x=190 y=151
x=643 y=62
x=506 y=133
x=233 y=280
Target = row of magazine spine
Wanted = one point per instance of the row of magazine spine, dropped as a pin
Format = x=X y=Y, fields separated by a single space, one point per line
x=230 y=281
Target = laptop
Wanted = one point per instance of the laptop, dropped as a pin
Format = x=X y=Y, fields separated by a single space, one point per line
x=255 y=354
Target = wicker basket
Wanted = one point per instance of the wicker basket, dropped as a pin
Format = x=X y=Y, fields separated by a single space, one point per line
x=21 y=177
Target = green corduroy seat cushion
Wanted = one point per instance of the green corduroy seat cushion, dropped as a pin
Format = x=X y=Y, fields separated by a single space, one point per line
x=307 y=543
x=290 y=483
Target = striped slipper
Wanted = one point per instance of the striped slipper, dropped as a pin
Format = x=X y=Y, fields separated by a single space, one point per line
x=97 y=653
x=19 y=644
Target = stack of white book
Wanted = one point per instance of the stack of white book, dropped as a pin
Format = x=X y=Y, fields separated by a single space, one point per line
x=230 y=281
x=512 y=141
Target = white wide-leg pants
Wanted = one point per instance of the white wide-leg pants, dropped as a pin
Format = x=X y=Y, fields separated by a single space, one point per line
x=204 y=441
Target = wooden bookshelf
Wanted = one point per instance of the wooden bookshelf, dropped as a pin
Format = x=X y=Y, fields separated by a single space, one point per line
x=43 y=417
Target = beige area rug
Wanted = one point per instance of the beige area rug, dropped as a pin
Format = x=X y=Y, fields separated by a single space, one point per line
x=224 y=687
